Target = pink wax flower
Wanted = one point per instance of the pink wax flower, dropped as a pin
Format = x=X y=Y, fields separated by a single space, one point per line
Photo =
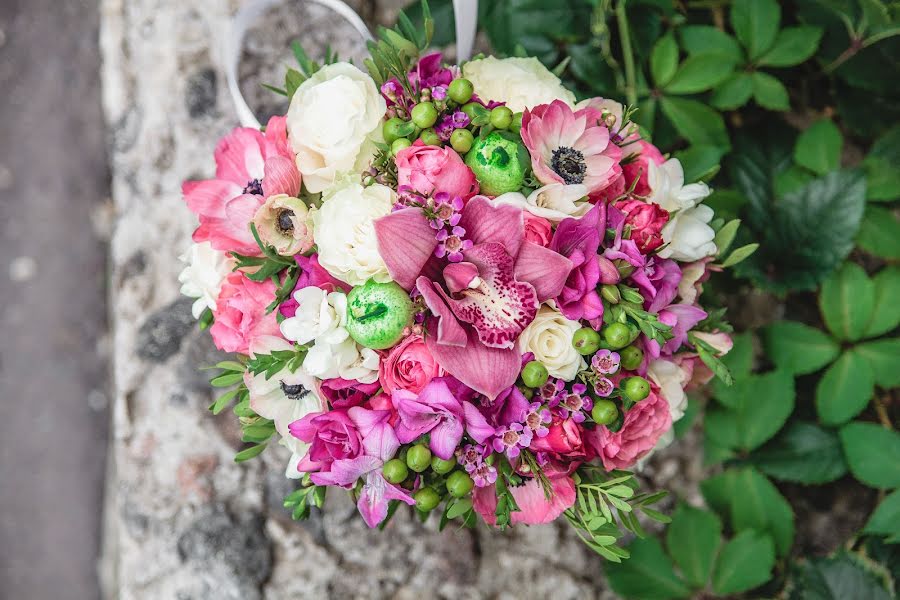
x=311 y=274
x=638 y=168
x=344 y=393
x=571 y=147
x=534 y=506
x=250 y=166
x=537 y=229
x=408 y=366
x=240 y=315
x=431 y=169
x=646 y=221
x=644 y=424
x=579 y=240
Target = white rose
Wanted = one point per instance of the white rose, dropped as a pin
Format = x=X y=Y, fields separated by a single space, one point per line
x=549 y=337
x=688 y=236
x=202 y=277
x=330 y=120
x=344 y=229
x=321 y=316
x=667 y=187
x=554 y=202
x=520 y=82
x=671 y=380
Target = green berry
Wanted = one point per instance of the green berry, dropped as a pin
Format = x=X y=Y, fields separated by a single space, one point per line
x=429 y=137
x=461 y=140
x=441 y=466
x=426 y=499
x=586 y=341
x=392 y=129
x=418 y=458
x=395 y=470
x=631 y=357
x=535 y=374
x=459 y=484
x=516 y=124
x=424 y=114
x=399 y=144
x=635 y=388
x=604 y=412
x=616 y=335
x=501 y=117
x=460 y=90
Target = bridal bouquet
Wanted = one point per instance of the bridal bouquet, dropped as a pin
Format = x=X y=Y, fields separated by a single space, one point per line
x=454 y=287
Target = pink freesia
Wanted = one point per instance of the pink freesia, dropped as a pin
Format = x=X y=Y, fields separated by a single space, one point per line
x=534 y=507
x=571 y=147
x=657 y=280
x=431 y=169
x=579 y=240
x=682 y=318
x=374 y=496
x=637 y=169
x=434 y=410
x=240 y=315
x=408 y=366
x=250 y=166
x=644 y=424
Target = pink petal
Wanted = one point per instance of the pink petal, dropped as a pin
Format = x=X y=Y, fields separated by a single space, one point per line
x=446 y=437
x=449 y=330
x=476 y=425
x=535 y=508
x=373 y=505
x=346 y=471
x=484 y=501
x=405 y=242
x=276 y=137
x=486 y=222
x=379 y=439
x=239 y=156
x=458 y=276
x=543 y=268
x=208 y=197
x=282 y=177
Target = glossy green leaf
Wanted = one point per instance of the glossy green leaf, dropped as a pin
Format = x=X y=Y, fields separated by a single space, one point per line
x=739 y=255
x=798 y=348
x=757 y=407
x=755 y=23
x=819 y=147
x=703 y=39
x=700 y=162
x=698 y=123
x=803 y=453
x=873 y=454
x=886 y=518
x=693 y=540
x=647 y=575
x=883 y=356
x=733 y=92
x=664 y=60
x=846 y=302
x=879 y=233
x=882 y=167
x=885 y=310
x=792 y=180
x=746 y=562
x=769 y=92
x=841 y=577
x=792 y=46
x=699 y=73
x=845 y=389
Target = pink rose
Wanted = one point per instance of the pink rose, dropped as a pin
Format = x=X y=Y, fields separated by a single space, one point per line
x=644 y=424
x=537 y=229
x=408 y=366
x=240 y=315
x=637 y=169
x=332 y=436
x=430 y=169
x=646 y=221
x=564 y=438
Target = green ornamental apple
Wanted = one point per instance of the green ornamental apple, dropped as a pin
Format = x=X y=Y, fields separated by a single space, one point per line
x=377 y=314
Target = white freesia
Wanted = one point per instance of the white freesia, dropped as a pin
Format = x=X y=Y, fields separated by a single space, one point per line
x=554 y=202
x=667 y=187
x=549 y=337
x=520 y=82
x=321 y=316
x=344 y=229
x=671 y=380
x=284 y=397
x=331 y=119
x=202 y=277
x=688 y=236
x=347 y=360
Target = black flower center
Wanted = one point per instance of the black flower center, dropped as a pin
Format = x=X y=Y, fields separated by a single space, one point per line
x=294 y=391
x=569 y=164
x=254 y=186
x=285 y=221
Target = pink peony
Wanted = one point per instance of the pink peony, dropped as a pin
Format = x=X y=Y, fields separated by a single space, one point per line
x=240 y=315
x=646 y=221
x=537 y=229
x=571 y=147
x=408 y=366
x=638 y=168
x=431 y=169
x=644 y=424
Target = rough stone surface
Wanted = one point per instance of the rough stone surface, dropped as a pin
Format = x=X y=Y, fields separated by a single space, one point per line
x=185 y=521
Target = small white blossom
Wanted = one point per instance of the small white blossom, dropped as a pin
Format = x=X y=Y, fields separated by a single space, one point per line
x=202 y=277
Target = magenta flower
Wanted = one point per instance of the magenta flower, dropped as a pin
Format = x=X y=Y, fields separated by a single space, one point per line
x=574 y=403
x=512 y=439
x=451 y=244
x=537 y=418
x=682 y=318
x=605 y=362
x=434 y=410
x=603 y=387
x=344 y=393
x=571 y=147
x=658 y=282
x=579 y=240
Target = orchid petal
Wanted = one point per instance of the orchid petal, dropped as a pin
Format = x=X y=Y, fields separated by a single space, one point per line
x=488 y=371
x=543 y=268
x=486 y=222
x=405 y=242
x=535 y=508
x=345 y=472
x=449 y=330
x=446 y=437
x=459 y=275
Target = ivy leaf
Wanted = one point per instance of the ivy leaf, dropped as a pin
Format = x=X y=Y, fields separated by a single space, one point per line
x=886 y=310
x=804 y=453
x=879 y=233
x=699 y=73
x=846 y=302
x=886 y=518
x=698 y=123
x=837 y=578
x=647 y=575
x=799 y=349
x=755 y=23
x=664 y=60
x=873 y=454
x=792 y=46
x=746 y=562
x=769 y=92
x=845 y=389
x=882 y=356
x=819 y=147
x=702 y=39
x=693 y=539
x=733 y=92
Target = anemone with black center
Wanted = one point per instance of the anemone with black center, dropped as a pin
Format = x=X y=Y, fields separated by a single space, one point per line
x=285 y=221
x=254 y=187
x=294 y=391
x=569 y=164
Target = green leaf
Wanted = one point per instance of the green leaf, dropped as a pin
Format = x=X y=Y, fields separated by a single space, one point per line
x=733 y=92
x=700 y=162
x=841 y=577
x=879 y=233
x=647 y=575
x=883 y=357
x=792 y=46
x=754 y=166
x=799 y=349
x=693 y=540
x=757 y=407
x=886 y=310
x=459 y=508
x=803 y=453
x=746 y=562
x=702 y=39
x=882 y=167
x=699 y=73
x=755 y=23
x=249 y=453
x=769 y=92
x=698 y=123
x=664 y=60
x=725 y=235
x=886 y=518
x=227 y=379
x=791 y=180
x=739 y=255
x=819 y=147
x=846 y=302
x=845 y=389
x=873 y=454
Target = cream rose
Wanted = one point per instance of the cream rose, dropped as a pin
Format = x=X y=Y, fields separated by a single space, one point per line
x=549 y=337
x=520 y=82
x=202 y=278
x=344 y=229
x=332 y=117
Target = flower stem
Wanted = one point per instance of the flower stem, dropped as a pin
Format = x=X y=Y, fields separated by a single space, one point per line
x=627 y=55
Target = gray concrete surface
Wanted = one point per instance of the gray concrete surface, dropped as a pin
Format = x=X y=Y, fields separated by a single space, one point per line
x=53 y=377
